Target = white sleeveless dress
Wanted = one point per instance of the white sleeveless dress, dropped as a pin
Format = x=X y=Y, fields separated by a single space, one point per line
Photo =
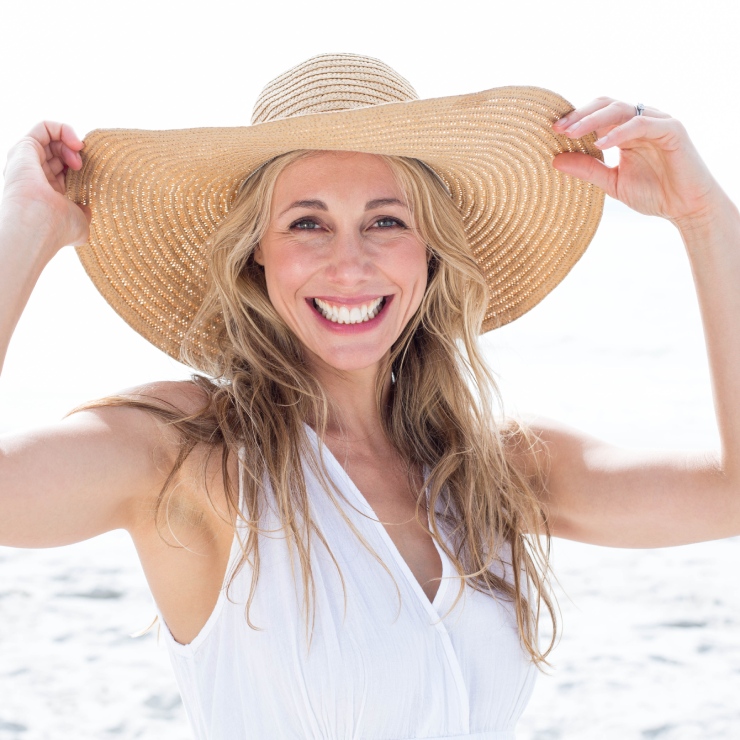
x=379 y=673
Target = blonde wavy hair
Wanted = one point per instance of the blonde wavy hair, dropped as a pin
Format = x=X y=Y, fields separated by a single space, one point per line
x=440 y=416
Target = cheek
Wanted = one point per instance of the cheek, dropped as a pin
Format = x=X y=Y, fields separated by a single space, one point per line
x=415 y=265
x=286 y=272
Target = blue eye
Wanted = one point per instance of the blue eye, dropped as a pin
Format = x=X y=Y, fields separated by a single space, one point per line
x=305 y=224
x=387 y=222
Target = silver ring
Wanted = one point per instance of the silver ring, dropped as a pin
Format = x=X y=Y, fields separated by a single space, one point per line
x=639 y=109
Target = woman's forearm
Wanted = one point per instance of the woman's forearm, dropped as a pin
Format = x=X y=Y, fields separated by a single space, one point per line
x=24 y=252
x=36 y=218
x=713 y=245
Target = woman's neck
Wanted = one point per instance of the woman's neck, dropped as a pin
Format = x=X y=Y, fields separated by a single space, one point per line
x=354 y=415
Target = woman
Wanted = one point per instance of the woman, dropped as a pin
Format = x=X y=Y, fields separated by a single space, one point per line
x=339 y=466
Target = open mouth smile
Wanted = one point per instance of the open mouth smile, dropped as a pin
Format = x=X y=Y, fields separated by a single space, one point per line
x=344 y=316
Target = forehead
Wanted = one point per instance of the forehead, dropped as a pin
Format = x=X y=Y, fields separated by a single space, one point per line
x=345 y=173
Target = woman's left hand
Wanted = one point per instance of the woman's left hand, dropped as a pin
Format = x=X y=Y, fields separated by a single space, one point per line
x=659 y=173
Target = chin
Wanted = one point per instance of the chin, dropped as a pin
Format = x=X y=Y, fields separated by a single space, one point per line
x=351 y=361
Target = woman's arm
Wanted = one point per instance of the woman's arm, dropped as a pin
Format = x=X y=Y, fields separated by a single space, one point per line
x=95 y=470
x=90 y=473
x=36 y=218
x=600 y=494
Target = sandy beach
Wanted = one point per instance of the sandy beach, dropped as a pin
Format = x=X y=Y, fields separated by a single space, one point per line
x=650 y=648
x=651 y=639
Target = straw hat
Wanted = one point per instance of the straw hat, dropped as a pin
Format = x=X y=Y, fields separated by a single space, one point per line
x=156 y=196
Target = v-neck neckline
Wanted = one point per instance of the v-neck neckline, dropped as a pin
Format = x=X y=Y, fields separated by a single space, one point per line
x=431 y=608
x=432 y=605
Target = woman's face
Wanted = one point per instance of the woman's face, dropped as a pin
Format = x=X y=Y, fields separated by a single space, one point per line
x=344 y=266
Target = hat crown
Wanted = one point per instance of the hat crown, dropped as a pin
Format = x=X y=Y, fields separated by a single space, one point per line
x=331 y=82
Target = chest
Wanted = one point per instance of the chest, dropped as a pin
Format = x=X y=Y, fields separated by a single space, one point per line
x=384 y=483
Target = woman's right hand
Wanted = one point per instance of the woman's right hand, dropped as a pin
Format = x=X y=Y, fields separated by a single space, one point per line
x=34 y=194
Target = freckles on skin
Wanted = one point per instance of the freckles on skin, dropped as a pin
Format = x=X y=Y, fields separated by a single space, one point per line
x=340 y=231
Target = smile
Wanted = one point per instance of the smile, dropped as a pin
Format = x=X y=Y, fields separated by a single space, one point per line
x=349 y=315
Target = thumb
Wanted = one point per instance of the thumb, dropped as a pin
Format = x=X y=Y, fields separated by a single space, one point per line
x=586 y=168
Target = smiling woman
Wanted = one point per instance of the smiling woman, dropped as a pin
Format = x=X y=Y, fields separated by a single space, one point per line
x=272 y=269
x=327 y=273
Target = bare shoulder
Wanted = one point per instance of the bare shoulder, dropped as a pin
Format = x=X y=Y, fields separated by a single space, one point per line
x=525 y=443
x=195 y=495
x=185 y=395
x=181 y=396
x=130 y=413
x=97 y=469
x=546 y=436
x=545 y=447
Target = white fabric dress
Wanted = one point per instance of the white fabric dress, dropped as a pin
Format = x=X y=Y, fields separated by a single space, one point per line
x=379 y=673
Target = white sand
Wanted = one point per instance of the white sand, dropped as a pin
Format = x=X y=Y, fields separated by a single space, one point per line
x=651 y=640
x=651 y=647
x=68 y=667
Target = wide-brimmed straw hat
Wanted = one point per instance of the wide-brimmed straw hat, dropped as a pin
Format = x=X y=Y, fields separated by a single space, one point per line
x=156 y=196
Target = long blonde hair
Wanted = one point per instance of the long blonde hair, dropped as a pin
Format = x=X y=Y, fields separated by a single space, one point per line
x=441 y=415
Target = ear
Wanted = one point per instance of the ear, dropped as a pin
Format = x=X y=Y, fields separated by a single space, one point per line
x=258 y=256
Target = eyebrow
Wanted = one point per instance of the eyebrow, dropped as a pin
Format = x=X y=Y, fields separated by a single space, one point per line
x=379 y=202
x=319 y=205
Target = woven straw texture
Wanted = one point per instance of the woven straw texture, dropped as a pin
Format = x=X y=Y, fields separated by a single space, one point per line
x=156 y=196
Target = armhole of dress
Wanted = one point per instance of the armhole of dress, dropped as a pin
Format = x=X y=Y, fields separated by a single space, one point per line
x=191 y=647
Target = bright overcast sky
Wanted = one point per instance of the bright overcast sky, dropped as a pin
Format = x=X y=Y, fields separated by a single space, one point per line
x=150 y=64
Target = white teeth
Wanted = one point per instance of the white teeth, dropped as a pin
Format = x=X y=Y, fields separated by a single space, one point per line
x=345 y=315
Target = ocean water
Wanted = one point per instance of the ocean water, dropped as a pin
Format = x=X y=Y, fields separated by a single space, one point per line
x=650 y=644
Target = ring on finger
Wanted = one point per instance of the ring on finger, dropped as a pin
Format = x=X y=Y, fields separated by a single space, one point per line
x=639 y=109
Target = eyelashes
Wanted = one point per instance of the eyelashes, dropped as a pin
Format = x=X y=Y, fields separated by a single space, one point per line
x=311 y=224
x=395 y=221
x=300 y=224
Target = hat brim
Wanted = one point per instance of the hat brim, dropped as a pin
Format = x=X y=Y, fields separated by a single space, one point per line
x=156 y=196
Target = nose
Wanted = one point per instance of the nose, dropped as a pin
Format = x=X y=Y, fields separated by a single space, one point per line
x=349 y=261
